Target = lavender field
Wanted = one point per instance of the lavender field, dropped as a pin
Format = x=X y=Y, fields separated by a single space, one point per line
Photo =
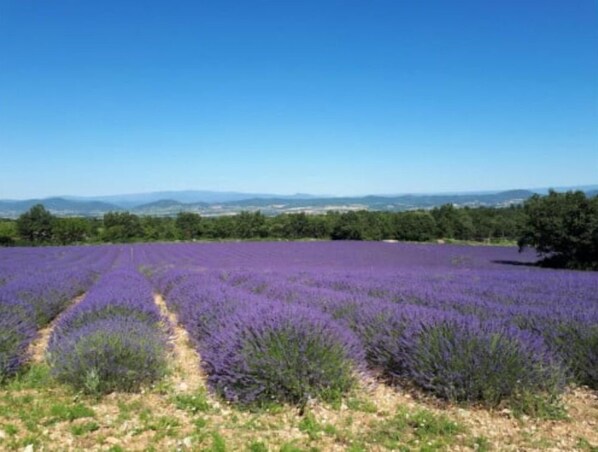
x=304 y=322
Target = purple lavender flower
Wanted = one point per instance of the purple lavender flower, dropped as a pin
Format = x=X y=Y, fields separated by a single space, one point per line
x=281 y=353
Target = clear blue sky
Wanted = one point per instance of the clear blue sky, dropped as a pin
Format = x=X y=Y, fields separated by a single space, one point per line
x=334 y=97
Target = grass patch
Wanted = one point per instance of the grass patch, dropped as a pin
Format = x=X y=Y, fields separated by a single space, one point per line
x=290 y=447
x=35 y=409
x=36 y=376
x=408 y=429
x=193 y=403
x=310 y=426
x=362 y=405
x=82 y=429
x=257 y=446
x=218 y=443
x=62 y=412
x=481 y=444
x=538 y=406
x=584 y=444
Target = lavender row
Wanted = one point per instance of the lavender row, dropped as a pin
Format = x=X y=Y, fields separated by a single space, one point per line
x=565 y=314
x=115 y=339
x=26 y=263
x=480 y=283
x=33 y=299
x=456 y=356
x=443 y=317
x=257 y=351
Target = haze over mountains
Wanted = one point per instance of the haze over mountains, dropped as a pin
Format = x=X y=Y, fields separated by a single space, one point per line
x=211 y=203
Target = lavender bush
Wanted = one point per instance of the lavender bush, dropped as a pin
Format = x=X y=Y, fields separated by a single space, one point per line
x=16 y=333
x=383 y=327
x=117 y=354
x=281 y=353
x=384 y=293
x=115 y=339
x=39 y=284
x=577 y=345
x=463 y=359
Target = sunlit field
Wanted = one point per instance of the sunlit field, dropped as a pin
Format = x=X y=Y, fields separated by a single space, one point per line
x=295 y=346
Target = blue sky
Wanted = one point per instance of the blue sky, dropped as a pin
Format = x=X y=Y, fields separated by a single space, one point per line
x=334 y=97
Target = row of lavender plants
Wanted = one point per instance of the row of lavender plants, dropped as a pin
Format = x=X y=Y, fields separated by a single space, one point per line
x=560 y=307
x=456 y=356
x=37 y=292
x=308 y=318
x=115 y=339
x=463 y=323
x=258 y=351
x=261 y=340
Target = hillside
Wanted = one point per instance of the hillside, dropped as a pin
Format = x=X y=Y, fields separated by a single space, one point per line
x=229 y=203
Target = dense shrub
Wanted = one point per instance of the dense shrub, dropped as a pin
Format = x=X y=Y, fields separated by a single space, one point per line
x=16 y=333
x=282 y=353
x=571 y=332
x=381 y=327
x=115 y=339
x=577 y=345
x=463 y=359
x=118 y=354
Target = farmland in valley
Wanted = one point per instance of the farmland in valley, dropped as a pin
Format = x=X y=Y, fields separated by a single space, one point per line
x=295 y=346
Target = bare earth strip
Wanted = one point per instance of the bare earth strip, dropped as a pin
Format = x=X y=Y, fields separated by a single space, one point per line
x=37 y=349
x=187 y=375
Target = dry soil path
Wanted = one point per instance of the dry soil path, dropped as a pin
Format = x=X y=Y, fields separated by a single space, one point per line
x=187 y=375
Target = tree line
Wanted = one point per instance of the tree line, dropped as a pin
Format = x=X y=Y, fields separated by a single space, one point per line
x=40 y=227
x=563 y=227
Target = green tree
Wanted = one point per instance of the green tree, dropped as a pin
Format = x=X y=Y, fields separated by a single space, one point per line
x=188 y=225
x=121 y=227
x=563 y=227
x=453 y=223
x=297 y=226
x=70 y=230
x=250 y=225
x=349 y=226
x=8 y=232
x=158 y=228
x=414 y=226
x=320 y=226
x=36 y=225
x=219 y=227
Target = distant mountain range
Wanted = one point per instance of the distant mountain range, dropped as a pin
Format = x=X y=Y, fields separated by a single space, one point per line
x=183 y=196
x=210 y=203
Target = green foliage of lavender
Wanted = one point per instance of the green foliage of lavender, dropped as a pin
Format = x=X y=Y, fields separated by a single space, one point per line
x=465 y=360
x=38 y=285
x=278 y=353
x=577 y=344
x=109 y=355
x=15 y=335
x=114 y=340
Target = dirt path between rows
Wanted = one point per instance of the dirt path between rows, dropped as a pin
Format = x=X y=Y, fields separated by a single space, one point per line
x=187 y=375
x=37 y=349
